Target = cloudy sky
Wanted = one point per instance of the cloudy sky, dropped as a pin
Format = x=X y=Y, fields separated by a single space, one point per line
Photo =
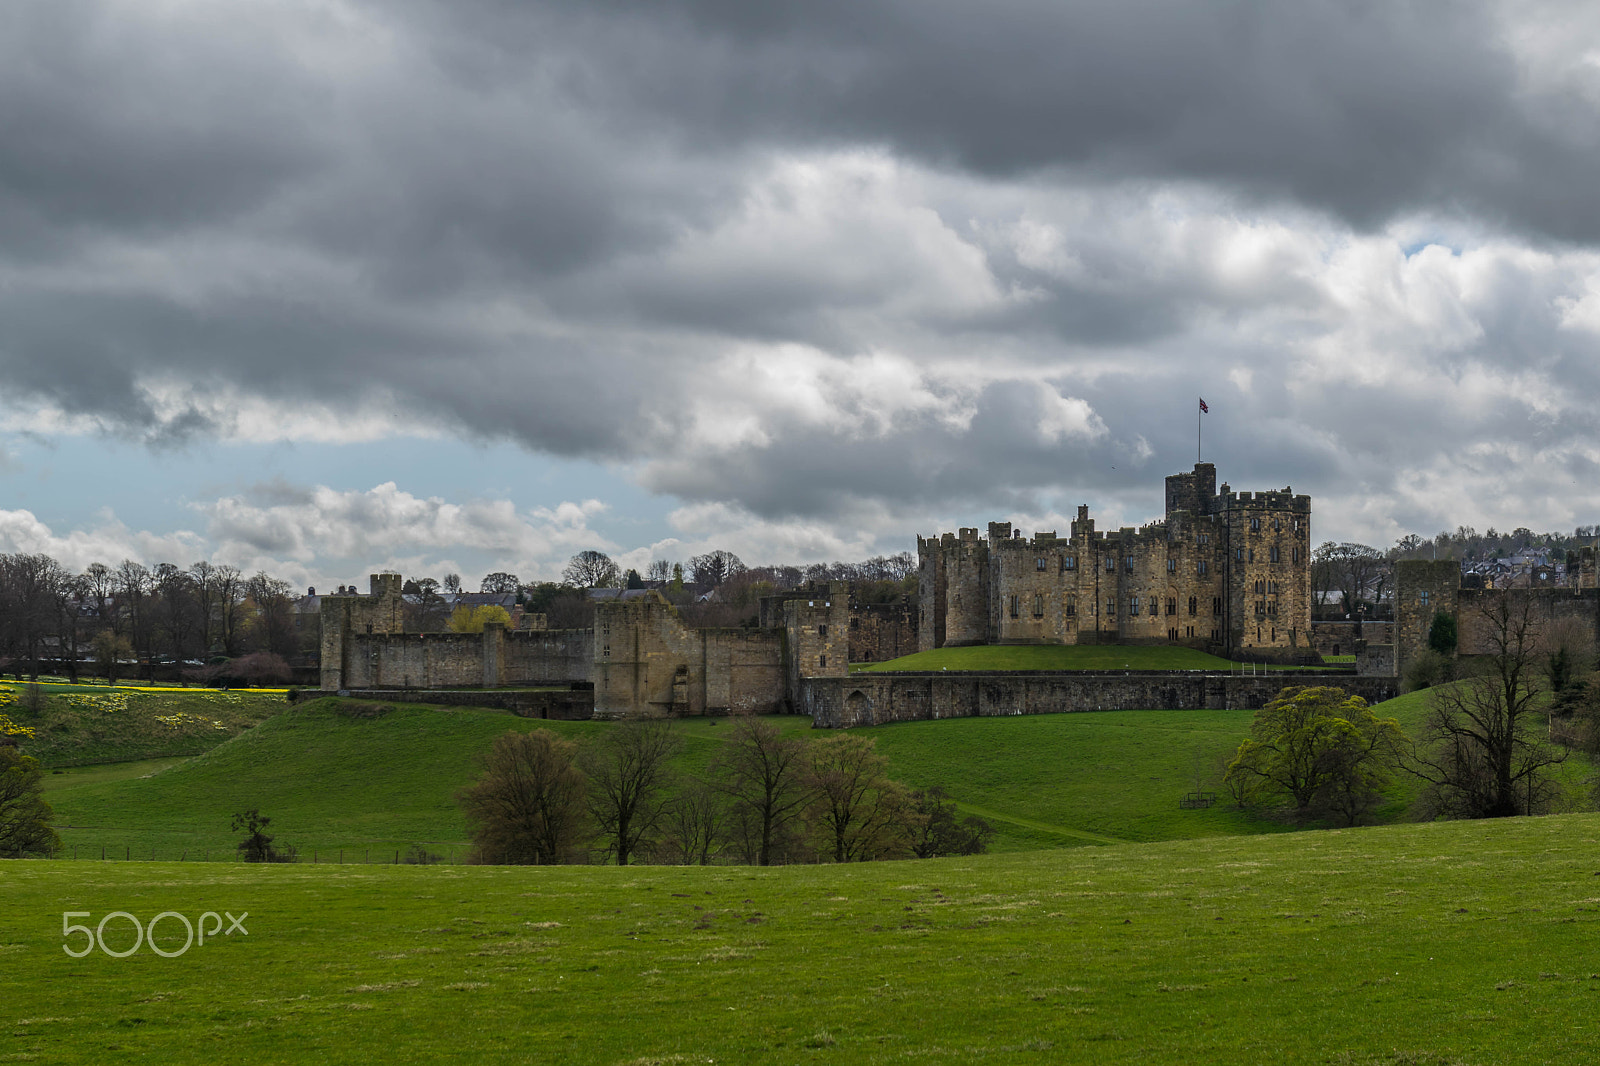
x=323 y=286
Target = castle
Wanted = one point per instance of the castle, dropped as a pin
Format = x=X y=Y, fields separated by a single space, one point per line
x=1229 y=572
x=1223 y=571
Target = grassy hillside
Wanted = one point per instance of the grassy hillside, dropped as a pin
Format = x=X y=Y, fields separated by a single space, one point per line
x=372 y=779
x=77 y=725
x=1057 y=657
x=1444 y=943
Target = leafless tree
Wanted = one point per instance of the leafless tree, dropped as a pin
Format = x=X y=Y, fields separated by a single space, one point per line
x=499 y=582
x=230 y=593
x=133 y=593
x=274 y=612
x=1481 y=752
x=528 y=806
x=713 y=568
x=629 y=770
x=204 y=578
x=763 y=774
x=860 y=813
x=591 y=569
x=693 y=825
x=175 y=589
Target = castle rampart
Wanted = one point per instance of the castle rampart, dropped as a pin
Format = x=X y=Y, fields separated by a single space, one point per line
x=1225 y=571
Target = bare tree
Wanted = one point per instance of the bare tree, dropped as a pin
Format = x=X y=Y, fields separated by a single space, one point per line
x=692 y=825
x=133 y=592
x=591 y=569
x=860 y=812
x=230 y=591
x=763 y=774
x=659 y=570
x=101 y=582
x=713 y=568
x=274 y=614
x=528 y=806
x=204 y=578
x=628 y=771
x=499 y=582
x=1481 y=753
x=175 y=588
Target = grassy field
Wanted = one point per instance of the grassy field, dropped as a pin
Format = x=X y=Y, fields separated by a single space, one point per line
x=77 y=725
x=1060 y=657
x=339 y=777
x=1455 y=943
x=333 y=779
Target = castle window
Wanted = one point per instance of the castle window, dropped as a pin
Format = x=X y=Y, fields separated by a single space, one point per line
x=1194 y=604
x=1205 y=538
x=1067 y=562
x=1261 y=608
x=1133 y=604
x=1273 y=554
x=1172 y=633
x=1274 y=633
x=1255 y=525
x=1238 y=555
x=1072 y=606
x=606 y=652
x=1041 y=563
x=1250 y=555
x=1422 y=597
x=1127 y=563
x=822 y=631
x=855 y=623
x=1155 y=607
x=1016 y=606
x=822 y=662
x=1172 y=605
x=1111 y=564
x=1216 y=610
x=1200 y=568
x=1111 y=608
x=1294 y=555
x=1038 y=605
x=1172 y=566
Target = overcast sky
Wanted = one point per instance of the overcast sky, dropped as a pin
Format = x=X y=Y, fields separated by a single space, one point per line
x=326 y=286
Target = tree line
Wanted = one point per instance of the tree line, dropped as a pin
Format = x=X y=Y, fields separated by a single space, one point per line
x=765 y=799
x=177 y=614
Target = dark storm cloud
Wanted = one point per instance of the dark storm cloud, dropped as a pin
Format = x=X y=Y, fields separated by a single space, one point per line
x=583 y=227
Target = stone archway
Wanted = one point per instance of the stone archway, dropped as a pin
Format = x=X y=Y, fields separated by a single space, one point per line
x=857 y=709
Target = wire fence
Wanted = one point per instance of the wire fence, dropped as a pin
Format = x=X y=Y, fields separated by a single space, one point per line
x=423 y=854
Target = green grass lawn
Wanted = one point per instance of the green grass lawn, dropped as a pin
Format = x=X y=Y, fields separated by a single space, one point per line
x=1059 y=657
x=1441 y=943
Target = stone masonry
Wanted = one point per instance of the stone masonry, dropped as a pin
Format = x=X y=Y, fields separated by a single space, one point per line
x=1225 y=571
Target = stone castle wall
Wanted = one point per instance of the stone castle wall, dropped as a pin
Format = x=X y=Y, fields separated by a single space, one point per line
x=876 y=699
x=882 y=631
x=1225 y=571
x=1339 y=638
x=647 y=662
x=447 y=660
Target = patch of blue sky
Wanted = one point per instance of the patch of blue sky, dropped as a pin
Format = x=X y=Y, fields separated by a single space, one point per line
x=68 y=481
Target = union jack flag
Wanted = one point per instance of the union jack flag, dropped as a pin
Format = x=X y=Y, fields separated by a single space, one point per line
x=1203 y=408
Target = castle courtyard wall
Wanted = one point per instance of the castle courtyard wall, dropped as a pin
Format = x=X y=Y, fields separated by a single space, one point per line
x=878 y=698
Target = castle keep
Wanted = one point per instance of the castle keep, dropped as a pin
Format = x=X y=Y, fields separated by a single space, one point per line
x=1226 y=571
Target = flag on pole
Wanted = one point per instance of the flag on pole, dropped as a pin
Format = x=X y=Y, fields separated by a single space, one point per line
x=1203 y=408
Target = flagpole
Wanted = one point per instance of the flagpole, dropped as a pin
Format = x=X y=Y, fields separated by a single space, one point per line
x=1197 y=434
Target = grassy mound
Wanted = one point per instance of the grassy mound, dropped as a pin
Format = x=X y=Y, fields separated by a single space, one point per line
x=1444 y=943
x=77 y=725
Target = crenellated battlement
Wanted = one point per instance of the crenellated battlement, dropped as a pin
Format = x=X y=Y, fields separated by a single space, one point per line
x=1229 y=571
